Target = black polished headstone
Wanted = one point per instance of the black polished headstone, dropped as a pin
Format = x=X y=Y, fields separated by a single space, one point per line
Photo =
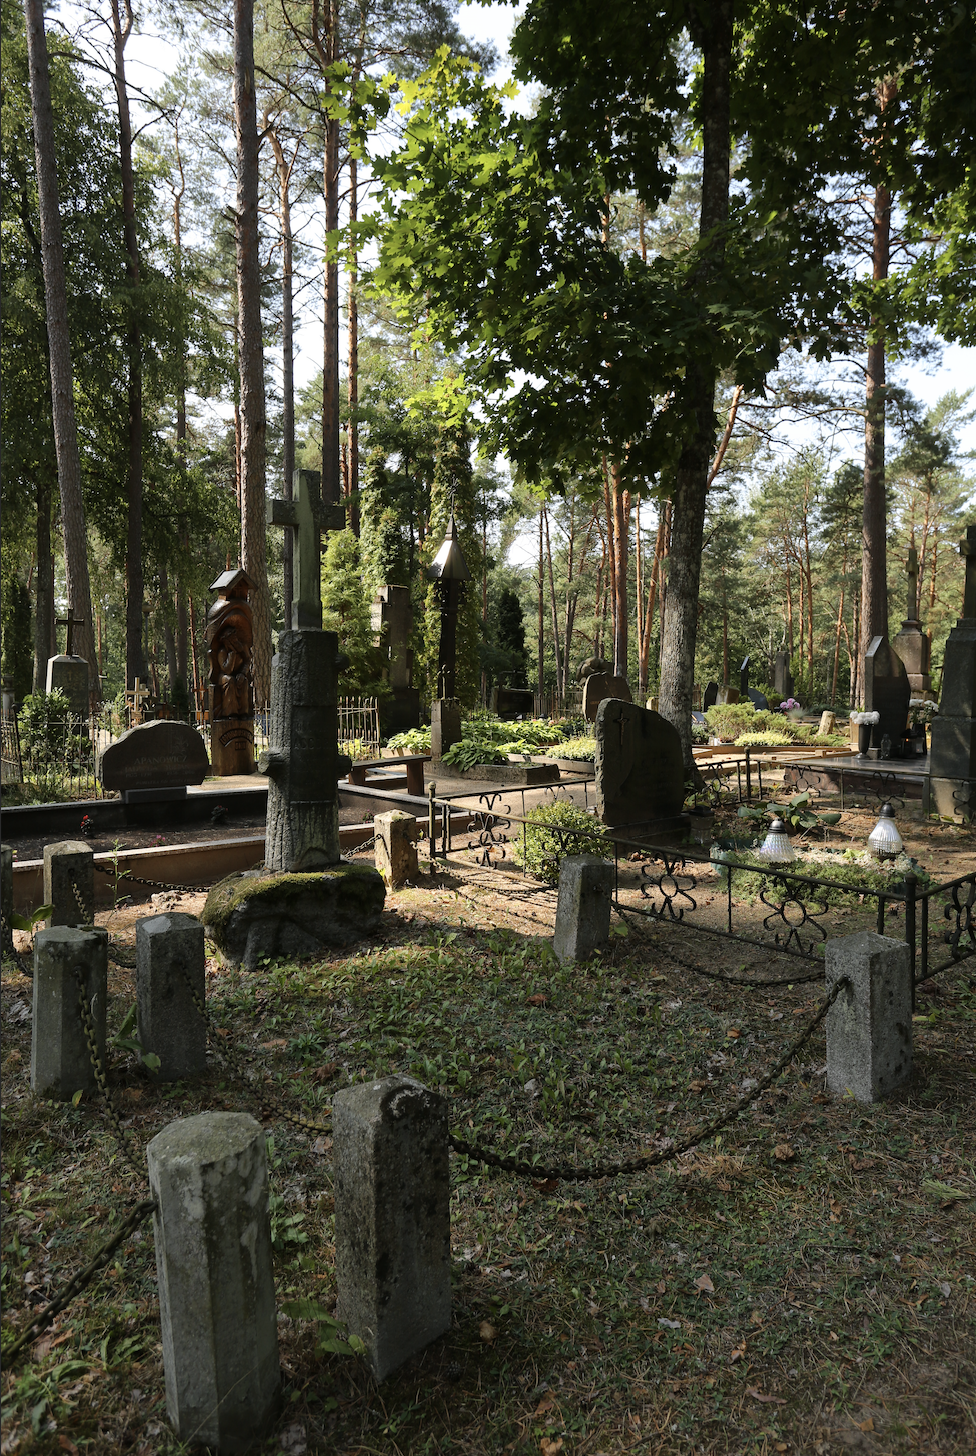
x=887 y=692
x=758 y=700
x=710 y=696
x=638 y=764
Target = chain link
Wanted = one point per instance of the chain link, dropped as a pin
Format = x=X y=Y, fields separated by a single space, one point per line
x=80 y=1281
x=91 y=1039
x=120 y=875
x=224 y=1055
x=567 y=1173
x=87 y=918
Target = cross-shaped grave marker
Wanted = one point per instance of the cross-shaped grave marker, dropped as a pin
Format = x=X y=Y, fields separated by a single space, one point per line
x=911 y=571
x=967 y=550
x=137 y=697
x=300 y=515
x=71 y=622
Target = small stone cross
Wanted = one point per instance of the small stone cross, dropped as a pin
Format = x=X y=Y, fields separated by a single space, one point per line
x=138 y=696
x=967 y=550
x=301 y=516
x=71 y=622
x=911 y=571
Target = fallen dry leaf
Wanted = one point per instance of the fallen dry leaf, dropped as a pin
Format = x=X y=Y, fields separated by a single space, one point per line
x=322 y=1145
x=487 y=1331
x=704 y=1284
x=867 y=1425
x=545 y=1404
x=836 y=1207
x=549 y=1448
x=766 y=1399
x=537 y=1000
x=548 y=1185
x=733 y=1031
x=277 y=1041
x=783 y=1153
x=738 y=1353
x=67 y=1445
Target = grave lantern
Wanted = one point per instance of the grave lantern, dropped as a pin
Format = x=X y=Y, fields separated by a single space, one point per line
x=884 y=839
x=777 y=846
x=449 y=571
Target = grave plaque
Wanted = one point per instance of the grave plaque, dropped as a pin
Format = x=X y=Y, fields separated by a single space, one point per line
x=600 y=685
x=154 y=757
x=886 y=692
x=639 y=765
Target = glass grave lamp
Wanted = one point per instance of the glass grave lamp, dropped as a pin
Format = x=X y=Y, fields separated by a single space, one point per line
x=884 y=839
x=777 y=847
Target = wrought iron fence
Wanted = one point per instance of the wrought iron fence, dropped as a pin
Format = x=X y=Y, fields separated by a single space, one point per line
x=359 y=726
x=781 y=910
x=11 y=765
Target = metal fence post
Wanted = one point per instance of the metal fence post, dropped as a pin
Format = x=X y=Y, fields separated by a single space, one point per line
x=432 y=825
x=911 y=891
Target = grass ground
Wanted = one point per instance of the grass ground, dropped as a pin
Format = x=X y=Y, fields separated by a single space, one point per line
x=802 y=1284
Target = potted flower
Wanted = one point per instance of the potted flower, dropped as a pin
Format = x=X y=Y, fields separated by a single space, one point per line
x=865 y=723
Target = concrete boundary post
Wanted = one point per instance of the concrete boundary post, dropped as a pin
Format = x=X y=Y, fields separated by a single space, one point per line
x=396 y=852
x=869 y=1026
x=583 y=907
x=170 y=965
x=393 y=1218
x=60 y=1057
x=209 y=1176
x=66 y=866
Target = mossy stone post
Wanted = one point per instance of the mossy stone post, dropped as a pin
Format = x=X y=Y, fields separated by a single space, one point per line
x=869 y=1026
x=170 y=961
x=393 y=1217
x=209 y=1176
x=303 y=763
x=61 y=1063
x=69 y=882
x=583 y=907
x=396 y=851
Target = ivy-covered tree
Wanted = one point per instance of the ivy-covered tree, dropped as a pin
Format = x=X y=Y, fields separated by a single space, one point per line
x=452 y=492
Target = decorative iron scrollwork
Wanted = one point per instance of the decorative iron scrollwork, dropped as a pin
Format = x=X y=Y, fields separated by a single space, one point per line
x=961 y=906
x=674 y=888
x=964 y=801
x=803 y=782
x=487 y=824
x=792 y=915
x=882 y=786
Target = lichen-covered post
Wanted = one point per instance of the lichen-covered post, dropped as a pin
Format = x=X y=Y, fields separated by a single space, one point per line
x=209 y=1176
x=393 y=1219
x=396 y=852
x=61 y=1063
x=69 y=882
x=170 y=978
x=869 y=1026
x=583 y=907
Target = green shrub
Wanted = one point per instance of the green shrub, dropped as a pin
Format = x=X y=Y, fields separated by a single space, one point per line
x=699 y=731
x=580 y=750
x=853 y=871
x=469 y=752
x=543 y=847
x=728 y=720
x=763 y=740
x=414 y=740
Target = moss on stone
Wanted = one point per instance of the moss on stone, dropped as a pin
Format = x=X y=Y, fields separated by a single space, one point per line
x=250 y=886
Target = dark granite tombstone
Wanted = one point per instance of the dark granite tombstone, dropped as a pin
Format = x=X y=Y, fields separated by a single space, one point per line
x=758 y=700
x=639 y=765
x=70 y=675
x=710 y=696
x=511 y=703
x=391 y=618
x=154 y=761
x=445 y=726
x=886 y=692
x=744 y=678
x=598 y=686
x=727 y=695
x=952 y=761
x=782 y=676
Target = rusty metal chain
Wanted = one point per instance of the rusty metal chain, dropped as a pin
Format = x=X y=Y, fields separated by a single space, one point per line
x=567 y=1173
x=622 y=910
x=101 y=1079
x=233 y=1065
x=153 y=884
x=80 y=1281
x=87 y=917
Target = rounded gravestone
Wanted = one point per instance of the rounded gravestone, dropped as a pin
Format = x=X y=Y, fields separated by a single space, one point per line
x=161 y=755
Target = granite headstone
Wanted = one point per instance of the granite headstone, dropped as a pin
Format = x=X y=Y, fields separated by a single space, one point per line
x=758 y=700
x=639 y=765
x=782 y=676
x=952 y=761
x=154 y=757
x=601 y=685
x=886 y=692
x=710 y=696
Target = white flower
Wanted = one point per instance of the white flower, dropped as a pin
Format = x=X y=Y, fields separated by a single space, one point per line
x=865 y=718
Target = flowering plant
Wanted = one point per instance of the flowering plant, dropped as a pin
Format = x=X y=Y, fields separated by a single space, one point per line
x=865 y=718
x=789 y=703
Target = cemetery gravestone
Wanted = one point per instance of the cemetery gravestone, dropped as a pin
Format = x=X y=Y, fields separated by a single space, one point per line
x=599 y=686
x=758 y=700
x=912 y=644
x=512 y=703
x=710 y=696
x=154 y=761
x=639 y=765
x=68 y=672
x=744 y=678
x=445 y=726
x=886 y=692
x=230 y=637
x=952 y=762
x=727 y=695
x=392 y=614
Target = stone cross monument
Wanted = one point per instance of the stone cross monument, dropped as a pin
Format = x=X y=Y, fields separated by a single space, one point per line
x=952 y=763
x=303 y=762
x=230 y=638
x=70 y=673
x=912 y=644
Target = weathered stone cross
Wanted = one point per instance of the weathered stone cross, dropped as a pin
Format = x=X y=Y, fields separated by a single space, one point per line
x=967 y=550
x=301 y=516
x=911 y=571
x=71 y=622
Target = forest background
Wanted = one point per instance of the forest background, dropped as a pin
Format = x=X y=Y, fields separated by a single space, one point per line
x=504 y=330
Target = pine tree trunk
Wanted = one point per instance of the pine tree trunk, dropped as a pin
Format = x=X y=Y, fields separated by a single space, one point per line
x=253 y=418
x=331 y=480
x=43 y=583
x=287 y=362
x=691 y=475
x=59 y=343
x=352 y=361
